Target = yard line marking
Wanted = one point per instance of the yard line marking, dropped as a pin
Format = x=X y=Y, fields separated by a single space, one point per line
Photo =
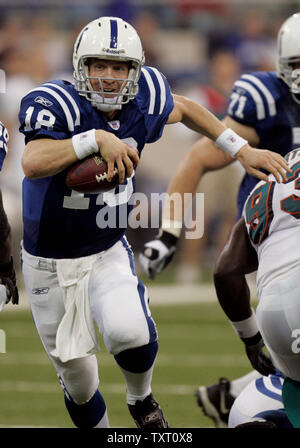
x=213 y=360
x=108 y=388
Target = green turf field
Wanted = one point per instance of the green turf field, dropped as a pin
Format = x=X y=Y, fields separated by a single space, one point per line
x=197 y=346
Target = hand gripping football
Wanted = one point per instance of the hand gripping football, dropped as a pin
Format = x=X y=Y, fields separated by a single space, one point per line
x=89 y=175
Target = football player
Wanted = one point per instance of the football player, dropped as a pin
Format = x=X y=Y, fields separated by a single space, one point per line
x=78 y=267
x=270 y=222
x=263 y=108
x=8 y=290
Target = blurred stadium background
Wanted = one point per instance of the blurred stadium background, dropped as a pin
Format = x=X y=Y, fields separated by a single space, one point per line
x=202 y=46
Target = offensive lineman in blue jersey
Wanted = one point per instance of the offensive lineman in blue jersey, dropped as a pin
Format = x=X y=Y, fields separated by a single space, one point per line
x=77 y=272
x=7 y=271
x=264 y=108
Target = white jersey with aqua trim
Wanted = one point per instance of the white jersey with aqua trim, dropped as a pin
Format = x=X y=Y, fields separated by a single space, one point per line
x=272 y=216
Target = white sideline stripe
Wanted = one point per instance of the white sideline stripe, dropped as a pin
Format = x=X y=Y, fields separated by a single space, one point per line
x=265 y=91
x=215 y=360
x=70 y=98
x=111 y=388
x=260 y=108
x=169 y=294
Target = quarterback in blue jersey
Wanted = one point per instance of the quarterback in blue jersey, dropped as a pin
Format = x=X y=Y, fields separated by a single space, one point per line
x=8 y=287
x=77 y=271
x=264 y=108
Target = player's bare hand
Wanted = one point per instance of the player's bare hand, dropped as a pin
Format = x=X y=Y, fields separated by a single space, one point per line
x=253 y=160
x=116 y=153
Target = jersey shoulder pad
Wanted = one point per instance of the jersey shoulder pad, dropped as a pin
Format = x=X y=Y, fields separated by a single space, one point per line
x=154 y=96
x=254 y=97
x=57 y=98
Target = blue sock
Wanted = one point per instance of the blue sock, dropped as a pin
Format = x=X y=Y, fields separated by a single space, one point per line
x=138 y=360
x=89 y=414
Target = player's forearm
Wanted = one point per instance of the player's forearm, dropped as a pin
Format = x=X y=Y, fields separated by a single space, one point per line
x=199 y=119
x=204 y=156
x=233 y=295
x=46 y=157
x=185 y=180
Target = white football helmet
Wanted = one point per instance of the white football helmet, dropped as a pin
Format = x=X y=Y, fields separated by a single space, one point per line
x=289 y=51
x=114 y=39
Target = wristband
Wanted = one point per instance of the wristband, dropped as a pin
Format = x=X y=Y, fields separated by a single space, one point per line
x=172 y=227
x=246 y=328
x=167 y=238
x=230 y=142
x=85 y=144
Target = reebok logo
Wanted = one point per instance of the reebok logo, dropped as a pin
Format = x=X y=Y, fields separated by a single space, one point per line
x=40 y=291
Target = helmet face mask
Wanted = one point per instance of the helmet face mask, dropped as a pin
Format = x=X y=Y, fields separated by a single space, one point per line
x=289 y=52
x=111 y=39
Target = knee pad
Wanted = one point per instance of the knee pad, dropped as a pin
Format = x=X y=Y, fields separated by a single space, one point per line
x=79 y=379
x=124 y=336
x=87 y=415
x=138 y=360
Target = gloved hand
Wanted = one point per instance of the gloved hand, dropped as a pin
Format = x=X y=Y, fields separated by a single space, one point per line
x=8 y=279
x=261 y=362
x=158 y=253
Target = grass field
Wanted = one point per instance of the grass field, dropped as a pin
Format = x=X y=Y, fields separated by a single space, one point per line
x=197 y=346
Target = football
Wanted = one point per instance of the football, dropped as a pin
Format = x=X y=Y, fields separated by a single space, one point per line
x=89 y=175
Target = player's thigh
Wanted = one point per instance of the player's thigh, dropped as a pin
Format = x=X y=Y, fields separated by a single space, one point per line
x=262 y=394
x=119 y=301
x=46 y=300
x=79 y=377
x=278 y=316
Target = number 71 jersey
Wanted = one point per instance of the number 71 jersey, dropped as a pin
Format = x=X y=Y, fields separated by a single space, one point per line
x=272 y=217
x=59 y=222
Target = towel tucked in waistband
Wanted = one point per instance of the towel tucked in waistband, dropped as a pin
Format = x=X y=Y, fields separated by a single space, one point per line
x=76 y=335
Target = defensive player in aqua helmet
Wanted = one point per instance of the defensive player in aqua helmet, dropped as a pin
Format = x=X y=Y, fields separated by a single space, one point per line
x=264 y=108
x=8 y=287
x=80 y=257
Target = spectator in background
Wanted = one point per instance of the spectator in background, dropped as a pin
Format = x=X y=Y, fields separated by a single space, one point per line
x=219 y=203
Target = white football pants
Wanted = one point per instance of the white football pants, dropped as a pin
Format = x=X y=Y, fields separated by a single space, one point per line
x=278 y=318
x=262 y=394
x=118 y=303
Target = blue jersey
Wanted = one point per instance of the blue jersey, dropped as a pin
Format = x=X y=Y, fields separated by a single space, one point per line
x=3 y=143
x=59 y=222
x=263 y=101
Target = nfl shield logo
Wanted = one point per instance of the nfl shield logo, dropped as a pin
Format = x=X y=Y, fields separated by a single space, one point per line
x=115 y=125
